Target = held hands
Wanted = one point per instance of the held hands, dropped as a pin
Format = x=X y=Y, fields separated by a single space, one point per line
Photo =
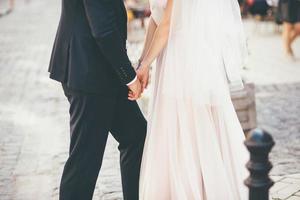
x=135 y=90
x=143 y=75
x=138 y=87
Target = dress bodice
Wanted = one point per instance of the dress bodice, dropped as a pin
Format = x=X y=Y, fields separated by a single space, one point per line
x=157 y=9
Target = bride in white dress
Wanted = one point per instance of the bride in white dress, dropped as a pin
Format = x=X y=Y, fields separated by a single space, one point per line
x=194 y=148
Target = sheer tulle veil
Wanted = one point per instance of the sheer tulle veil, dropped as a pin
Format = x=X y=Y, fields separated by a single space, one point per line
x=207 y=41
x=195 y=140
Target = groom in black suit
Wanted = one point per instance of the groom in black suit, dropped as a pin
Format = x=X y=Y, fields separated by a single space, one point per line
x=89 y=58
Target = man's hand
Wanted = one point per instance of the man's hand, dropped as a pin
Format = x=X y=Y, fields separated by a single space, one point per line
x=135 y=90
x=143 y=76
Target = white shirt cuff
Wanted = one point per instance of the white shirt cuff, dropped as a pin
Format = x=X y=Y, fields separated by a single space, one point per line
x=131 y=82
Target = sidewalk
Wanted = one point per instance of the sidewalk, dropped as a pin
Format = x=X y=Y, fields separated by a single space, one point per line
x=34 y=113
x=286 y=187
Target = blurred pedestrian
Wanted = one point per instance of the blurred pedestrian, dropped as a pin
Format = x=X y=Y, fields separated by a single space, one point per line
x=242 y=6
x=11 y=5
x=258 y=7
x=290 y=12
x=9 y=9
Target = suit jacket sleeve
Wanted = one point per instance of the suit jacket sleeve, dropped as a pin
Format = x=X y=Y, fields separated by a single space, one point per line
x=102 y=20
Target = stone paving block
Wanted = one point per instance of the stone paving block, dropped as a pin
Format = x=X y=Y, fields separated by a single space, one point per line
x=295 y=176
x=286 y=192
x=293 y=198
x=297 y=194
x=276 y=178
x=33 y=187
x=278 y=186
x=291 y=180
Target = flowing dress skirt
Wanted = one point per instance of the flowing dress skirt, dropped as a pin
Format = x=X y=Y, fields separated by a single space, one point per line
x=194 y=148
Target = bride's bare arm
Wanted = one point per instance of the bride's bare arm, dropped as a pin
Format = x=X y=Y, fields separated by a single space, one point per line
x=160 y=37
x=149 y=37
x=156 y=45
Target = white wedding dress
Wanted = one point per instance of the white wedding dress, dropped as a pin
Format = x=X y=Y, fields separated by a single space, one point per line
x=194 y=148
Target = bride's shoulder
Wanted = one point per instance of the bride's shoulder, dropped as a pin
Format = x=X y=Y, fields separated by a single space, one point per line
x=159 y=3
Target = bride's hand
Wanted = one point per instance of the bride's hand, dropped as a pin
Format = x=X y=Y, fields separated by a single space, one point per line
x=143 y=75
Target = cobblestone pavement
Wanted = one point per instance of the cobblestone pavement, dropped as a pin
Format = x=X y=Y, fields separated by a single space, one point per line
x=278 y=93
x=278 y=113
x=34 y=121
x=33 y=143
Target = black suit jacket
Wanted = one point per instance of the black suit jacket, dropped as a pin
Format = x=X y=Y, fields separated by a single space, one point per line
x=89 y=52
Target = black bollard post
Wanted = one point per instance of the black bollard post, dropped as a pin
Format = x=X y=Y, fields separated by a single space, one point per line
x=259 y=143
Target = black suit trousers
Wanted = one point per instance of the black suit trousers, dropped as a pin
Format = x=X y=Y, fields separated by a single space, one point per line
x=92 y=117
